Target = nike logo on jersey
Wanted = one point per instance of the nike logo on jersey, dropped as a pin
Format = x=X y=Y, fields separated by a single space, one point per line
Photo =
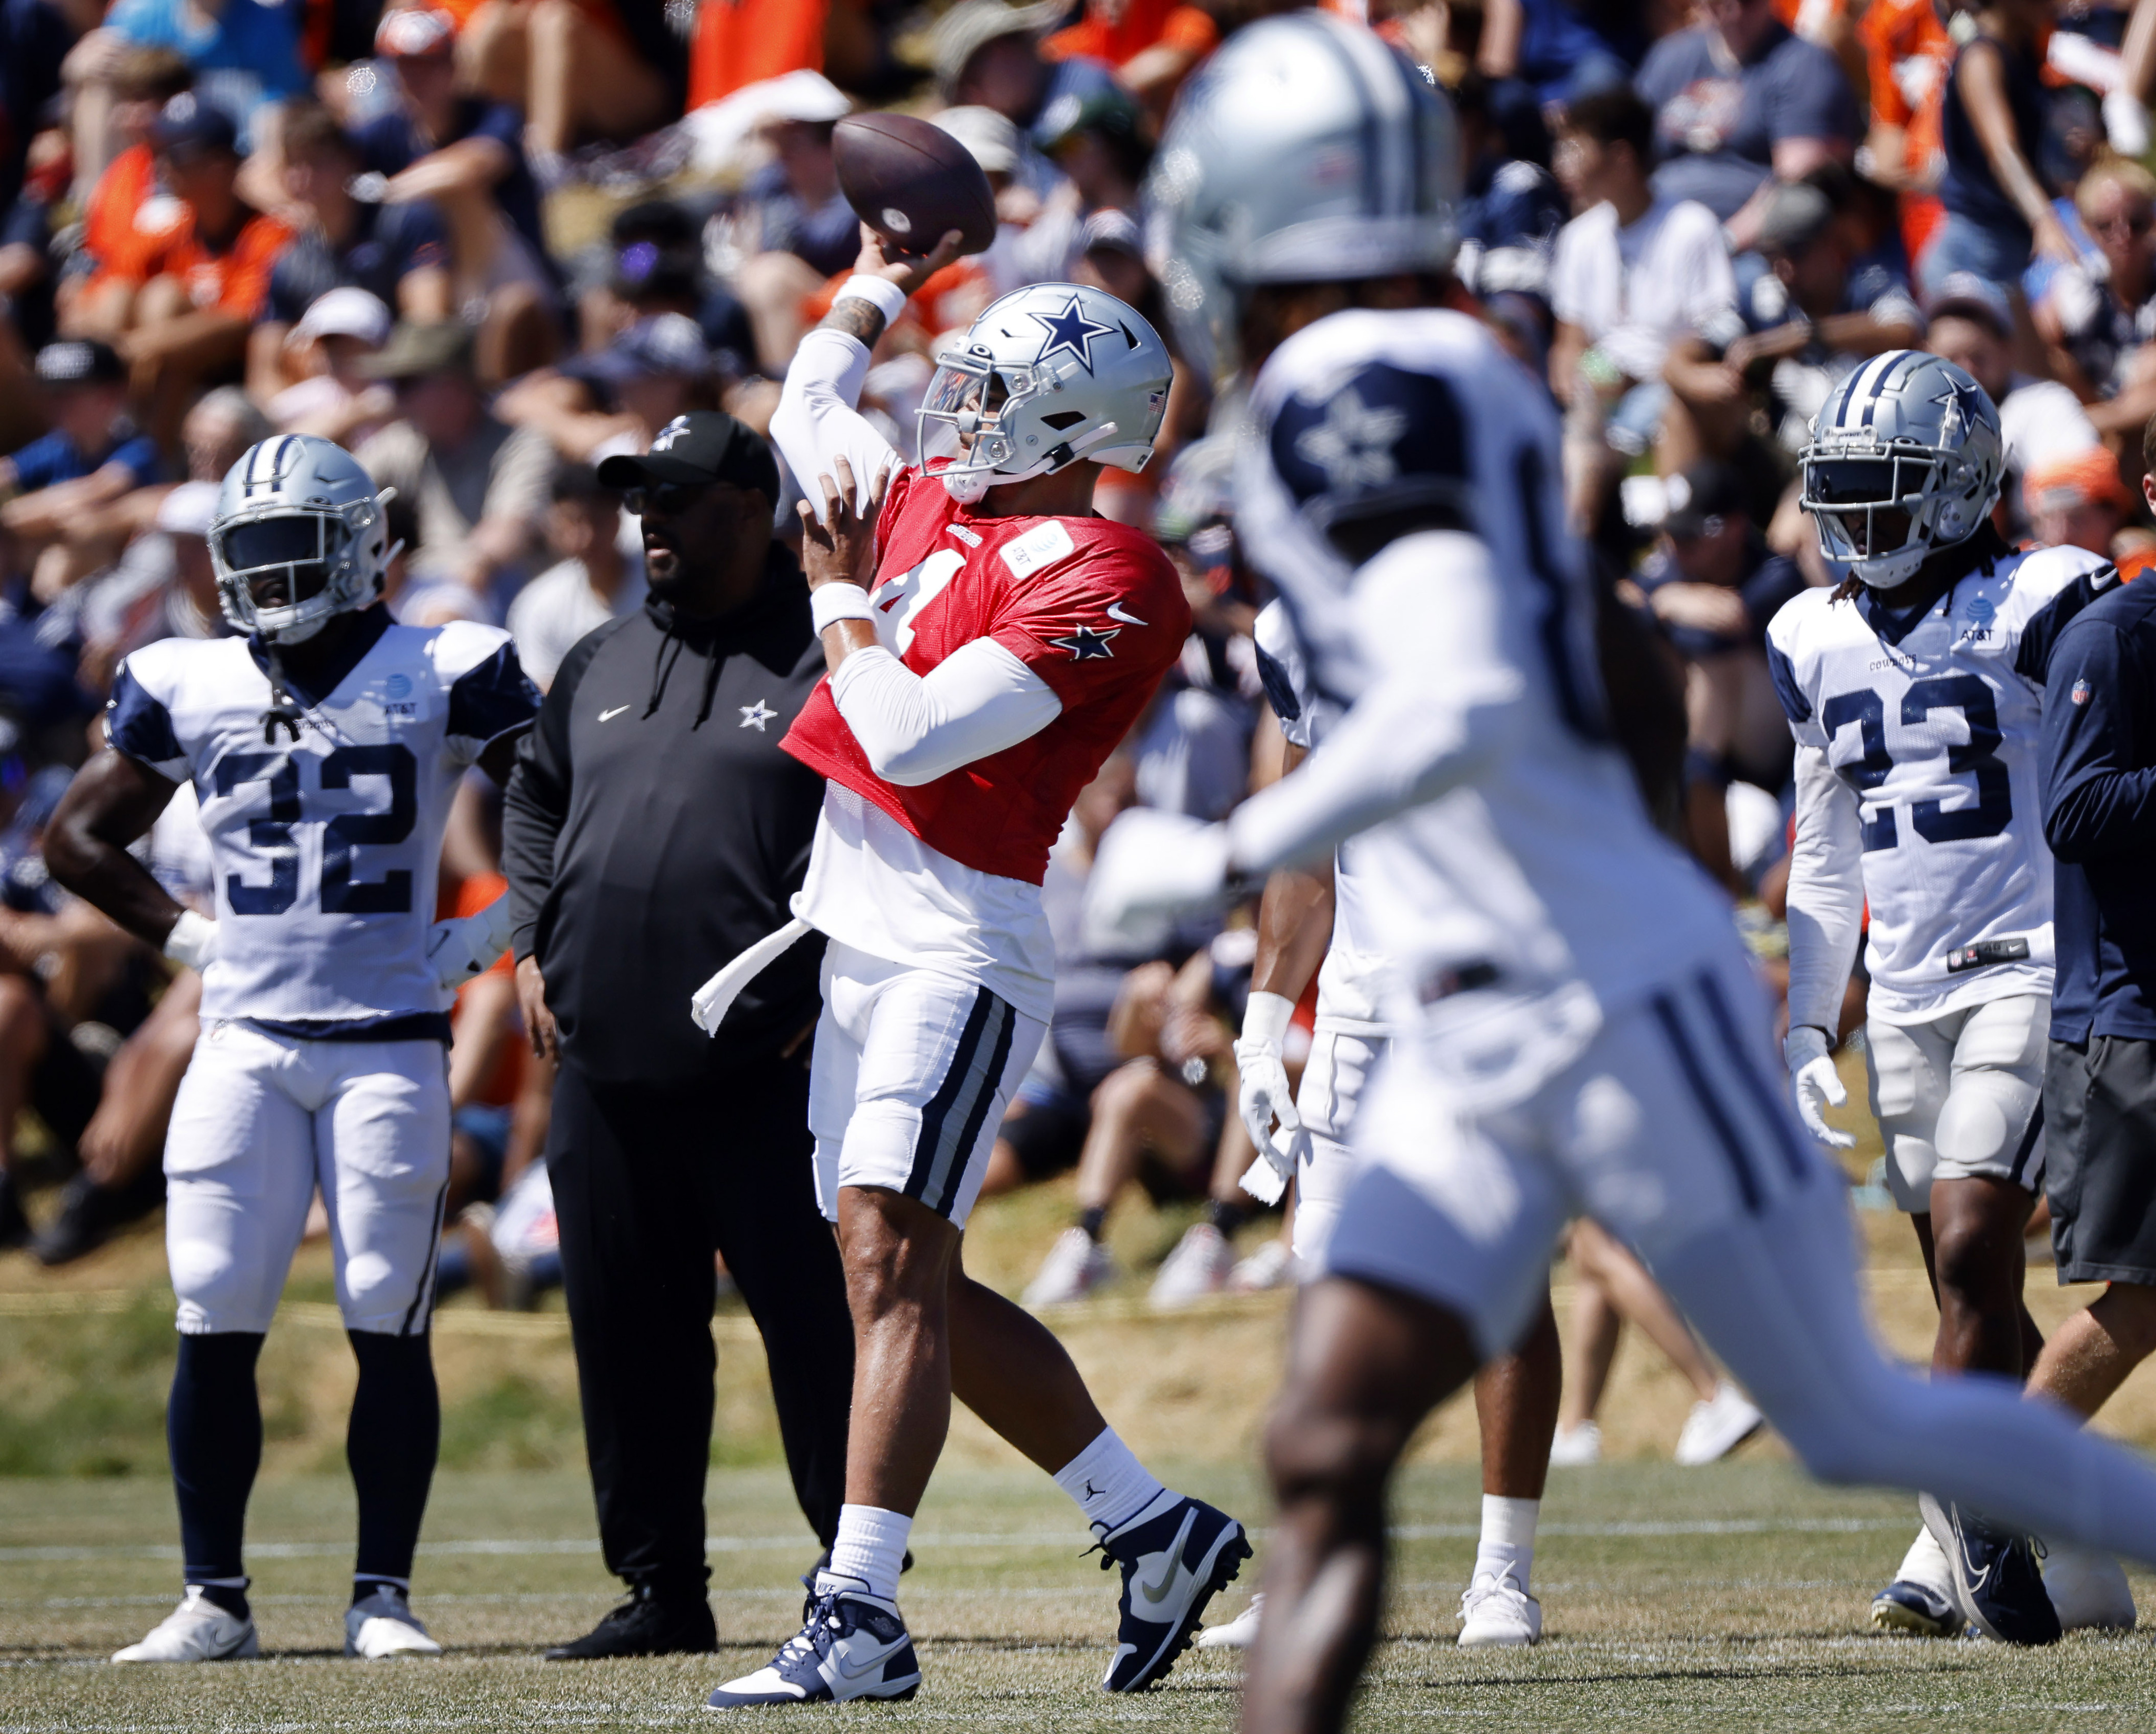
x=754 y=715
x=1116 y=611
x=1084 y=643
x=609 y=716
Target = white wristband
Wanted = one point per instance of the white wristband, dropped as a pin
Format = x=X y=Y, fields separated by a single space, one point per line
x=830 y=603
x=1267 y=1017
x=881 y=293
x=193 y=939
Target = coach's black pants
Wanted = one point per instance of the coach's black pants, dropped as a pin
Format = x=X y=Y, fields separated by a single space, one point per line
x=648 y=1182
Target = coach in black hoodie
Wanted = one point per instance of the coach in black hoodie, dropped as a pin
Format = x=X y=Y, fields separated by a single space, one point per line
x=654 y=830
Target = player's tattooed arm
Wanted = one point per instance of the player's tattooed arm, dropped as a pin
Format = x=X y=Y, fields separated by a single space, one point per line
x=855 y=318
x=112 y=802
x=862 y=319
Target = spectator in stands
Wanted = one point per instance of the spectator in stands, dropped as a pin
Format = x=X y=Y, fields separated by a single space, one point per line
x=2041 y=420
x=466 y=155
x=653 y=261
x=988 y=53
x=93 y=456
x=1740 y=102
x=2077 y=502
x=479 y=486
x=400 y=254
x=1152 y=44
x=1633 y=273
x=2099 y=320
x=36 y=37
x=126 y=216
x=164 y=587
x=1811 y=321
x=591 y=582
x=1909 y=55
x=332 y=398
x=750 y=41
x=28 y=264
x=617 y=400
x=205 y=285
x=792 y=221
x=1098 y=142
x=1998 y=210
x=579 y=71
x=1510 y=211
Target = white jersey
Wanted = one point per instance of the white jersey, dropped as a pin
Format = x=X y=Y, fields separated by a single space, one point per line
x=1919 y=789
x=1521 y=856
x=1351 y=985
x=325 y=850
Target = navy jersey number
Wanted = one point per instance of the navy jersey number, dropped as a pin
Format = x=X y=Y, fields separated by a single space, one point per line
x=271 y=837
x=1968 y=694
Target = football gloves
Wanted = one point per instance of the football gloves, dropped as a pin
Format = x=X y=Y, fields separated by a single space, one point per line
x=1818 y=1086
x=1264 y=1096
x=468 y=946
x=192 y=940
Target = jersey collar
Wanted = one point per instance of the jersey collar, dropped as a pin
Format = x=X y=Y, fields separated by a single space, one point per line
x=1894 y=614
x=367 y=628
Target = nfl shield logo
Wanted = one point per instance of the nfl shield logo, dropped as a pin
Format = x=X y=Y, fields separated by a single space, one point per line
x=2080 y=695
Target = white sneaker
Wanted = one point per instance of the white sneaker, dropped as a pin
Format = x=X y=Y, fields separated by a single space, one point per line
x=1076 y=1265
x=1273 y=1265
x=197 y=1630
x=1198 y=1266
x=2088 y=1591
x=1576 y=1447
x=1240 y=1632
x=1496 y=1614
x=383 y=1627
x=1715 y=1428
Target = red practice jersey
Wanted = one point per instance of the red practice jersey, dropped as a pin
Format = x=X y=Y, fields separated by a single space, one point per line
x=1093 y=607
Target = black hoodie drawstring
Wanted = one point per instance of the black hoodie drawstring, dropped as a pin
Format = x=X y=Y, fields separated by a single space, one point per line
x=661 y=675
x=710 y=690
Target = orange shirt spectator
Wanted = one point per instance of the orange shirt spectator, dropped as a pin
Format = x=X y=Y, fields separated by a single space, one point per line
x=1119 y=31
x=1909 y=54
x=233 y=279
x=744 y=42
x=128 y=218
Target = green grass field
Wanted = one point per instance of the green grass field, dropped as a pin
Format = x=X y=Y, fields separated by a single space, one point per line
x=1721 y=1599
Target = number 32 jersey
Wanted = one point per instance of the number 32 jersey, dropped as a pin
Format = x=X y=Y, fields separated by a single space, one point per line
x=1931 y=724
x=325 y=850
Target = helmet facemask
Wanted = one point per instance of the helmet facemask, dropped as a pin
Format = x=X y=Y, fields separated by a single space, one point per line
x=975 y=415
x=281 y=573
x=1882 y=512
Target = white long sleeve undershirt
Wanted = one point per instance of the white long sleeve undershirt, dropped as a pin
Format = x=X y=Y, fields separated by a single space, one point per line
x=816 y=421
x=1445 y=704
x=915 y=728
x=1826 y=892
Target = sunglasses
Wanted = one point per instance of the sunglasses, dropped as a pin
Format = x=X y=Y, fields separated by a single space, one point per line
x=667 y=499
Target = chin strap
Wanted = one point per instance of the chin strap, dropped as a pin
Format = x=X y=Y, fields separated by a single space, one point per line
x=967 y=486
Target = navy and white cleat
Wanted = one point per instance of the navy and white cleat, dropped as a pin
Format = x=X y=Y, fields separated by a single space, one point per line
x=1915 y=1609
x=851 y=1646
x=1176 y=1555
x=1998 y=1576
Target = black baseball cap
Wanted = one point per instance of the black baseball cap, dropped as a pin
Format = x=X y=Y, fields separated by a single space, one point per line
x=80 y=361
x=695 y=449
x=189 y=126
x=1703 y=498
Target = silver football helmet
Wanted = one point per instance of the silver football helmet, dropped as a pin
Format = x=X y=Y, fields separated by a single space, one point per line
x=299 y=535
x=1306 y=151
x=1905 y=459
x=1045 y=377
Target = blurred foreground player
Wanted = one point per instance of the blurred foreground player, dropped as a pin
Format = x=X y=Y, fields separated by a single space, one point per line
x=1578 y=1027
x=990 y=642
x=325 y=747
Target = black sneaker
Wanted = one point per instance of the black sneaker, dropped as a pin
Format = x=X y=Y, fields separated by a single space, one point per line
x=1176 y=1555
x=1997 y=1575
x=647 y=1624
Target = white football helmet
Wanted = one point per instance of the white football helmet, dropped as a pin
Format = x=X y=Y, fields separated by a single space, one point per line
x=1045 y=377
x=298 y=520
x=1905 y=459
x=1305 y=150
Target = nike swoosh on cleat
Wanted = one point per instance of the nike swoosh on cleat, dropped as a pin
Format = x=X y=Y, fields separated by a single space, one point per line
x=1157 y=1592
x=874 y=1662
x=606 y=715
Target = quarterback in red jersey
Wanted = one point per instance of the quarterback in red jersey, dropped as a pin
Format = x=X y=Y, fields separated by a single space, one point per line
x=989 y=642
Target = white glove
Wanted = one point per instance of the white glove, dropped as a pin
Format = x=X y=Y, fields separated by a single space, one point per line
x=1151 y=867
x=2126 y=124
x=467 y=945
x=1817 y=1084
x=192 y=940
x=1265 y=1095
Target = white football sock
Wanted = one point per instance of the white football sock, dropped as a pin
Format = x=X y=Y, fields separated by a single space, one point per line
x=1508 y=1538
x=1110 y=1485
x=871 y=1549
x=1926 y=1563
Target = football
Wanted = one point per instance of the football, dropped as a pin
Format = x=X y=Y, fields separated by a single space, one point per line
x=911 y=181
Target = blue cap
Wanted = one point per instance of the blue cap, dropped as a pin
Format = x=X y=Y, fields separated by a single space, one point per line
x=188 y=126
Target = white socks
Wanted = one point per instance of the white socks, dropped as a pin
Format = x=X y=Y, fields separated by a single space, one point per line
x=871 y=1549
x=1508 y=1539
x=1110 y=1485
x=1926 y=1563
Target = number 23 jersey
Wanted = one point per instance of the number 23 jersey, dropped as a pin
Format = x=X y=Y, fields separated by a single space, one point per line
x=1931 y=724
x=325 y=850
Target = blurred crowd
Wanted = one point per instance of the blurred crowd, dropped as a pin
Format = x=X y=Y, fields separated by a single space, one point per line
x=489 y=245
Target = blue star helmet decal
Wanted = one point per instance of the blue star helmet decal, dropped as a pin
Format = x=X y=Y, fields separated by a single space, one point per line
x=1383 y=439
x=1085 y=643
x=1966 y=398
x=1072 y=330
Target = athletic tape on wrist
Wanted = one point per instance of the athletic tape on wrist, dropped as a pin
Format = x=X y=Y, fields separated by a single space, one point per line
x=191 y=938
x=1267 y=1017
x=881 y=293
x=830 y=603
